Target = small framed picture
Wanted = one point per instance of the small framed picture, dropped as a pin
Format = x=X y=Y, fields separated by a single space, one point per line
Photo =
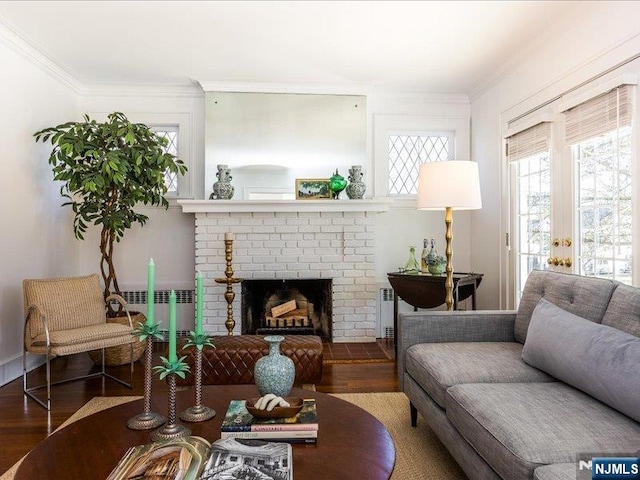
x=313 y=189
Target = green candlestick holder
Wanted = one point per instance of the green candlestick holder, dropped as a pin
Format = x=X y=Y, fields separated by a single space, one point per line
x=171 y=430
x=198 y=412
x=147 y=419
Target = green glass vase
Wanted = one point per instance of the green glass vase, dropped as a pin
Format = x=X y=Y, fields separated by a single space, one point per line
x=337 y=184
x=412 y=266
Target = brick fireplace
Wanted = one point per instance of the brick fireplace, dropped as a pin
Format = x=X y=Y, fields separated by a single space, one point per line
x=289 y=240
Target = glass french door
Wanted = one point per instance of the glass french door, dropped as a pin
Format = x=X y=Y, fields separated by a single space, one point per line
x=571 y=211
x=604 y=205
x=531 y=223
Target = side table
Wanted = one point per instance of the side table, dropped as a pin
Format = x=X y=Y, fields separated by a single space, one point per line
x=428 y=291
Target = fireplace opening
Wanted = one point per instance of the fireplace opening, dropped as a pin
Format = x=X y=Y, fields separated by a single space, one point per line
x=287 y=307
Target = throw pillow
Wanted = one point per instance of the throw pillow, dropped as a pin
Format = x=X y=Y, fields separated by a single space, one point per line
x=597 y=359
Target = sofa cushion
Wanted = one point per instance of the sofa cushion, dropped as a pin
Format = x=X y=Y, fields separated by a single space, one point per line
x=585 y=297
x=623 y=311
x=597 y=359
x=557 y=471
x=518 y=427
x=437 y=366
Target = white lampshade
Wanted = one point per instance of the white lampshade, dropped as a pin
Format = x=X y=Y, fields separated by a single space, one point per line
x=452 y=183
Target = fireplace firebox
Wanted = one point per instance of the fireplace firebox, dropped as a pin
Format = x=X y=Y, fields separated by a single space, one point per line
x=295 y=306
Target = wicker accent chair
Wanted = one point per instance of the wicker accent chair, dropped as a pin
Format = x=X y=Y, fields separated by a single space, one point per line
x=65 y=316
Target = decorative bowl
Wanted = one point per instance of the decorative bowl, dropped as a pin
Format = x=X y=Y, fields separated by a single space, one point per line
x=277 y=412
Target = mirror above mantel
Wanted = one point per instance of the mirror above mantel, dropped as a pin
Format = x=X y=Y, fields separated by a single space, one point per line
x=270 y=139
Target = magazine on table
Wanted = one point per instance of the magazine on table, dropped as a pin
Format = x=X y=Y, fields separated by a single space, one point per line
x=181 y=459
x=194 y=458
x=244 y=459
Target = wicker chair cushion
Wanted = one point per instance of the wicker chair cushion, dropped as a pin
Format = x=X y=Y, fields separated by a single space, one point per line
x=67 y=303
x=70 y=349
x=93 y=333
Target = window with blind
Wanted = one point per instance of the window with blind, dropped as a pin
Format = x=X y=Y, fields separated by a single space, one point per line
x=528 y=154
x=600 y=135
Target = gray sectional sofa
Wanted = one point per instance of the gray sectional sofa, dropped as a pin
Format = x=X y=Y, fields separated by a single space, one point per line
x=519 y=395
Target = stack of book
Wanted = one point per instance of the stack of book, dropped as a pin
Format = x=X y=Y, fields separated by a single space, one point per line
x=302 y=428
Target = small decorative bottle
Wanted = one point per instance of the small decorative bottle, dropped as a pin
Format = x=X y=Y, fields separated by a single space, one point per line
x=432 y=255
x=412 y=265
x=424 y=264
x=437 y=263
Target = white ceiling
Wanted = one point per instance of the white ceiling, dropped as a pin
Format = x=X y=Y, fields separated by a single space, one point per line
x=435 y=47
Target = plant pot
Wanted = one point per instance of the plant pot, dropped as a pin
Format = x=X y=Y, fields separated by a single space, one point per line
x=119 y=355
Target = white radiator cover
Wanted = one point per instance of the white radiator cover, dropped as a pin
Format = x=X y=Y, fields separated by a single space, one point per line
x=384 y=322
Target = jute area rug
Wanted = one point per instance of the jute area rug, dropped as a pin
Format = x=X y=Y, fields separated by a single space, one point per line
x=419 y=453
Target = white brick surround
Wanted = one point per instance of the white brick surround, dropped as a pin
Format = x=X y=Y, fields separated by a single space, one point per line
x=338 y=245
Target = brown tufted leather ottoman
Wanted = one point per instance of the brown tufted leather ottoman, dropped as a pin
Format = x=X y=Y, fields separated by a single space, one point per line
x=234 y=357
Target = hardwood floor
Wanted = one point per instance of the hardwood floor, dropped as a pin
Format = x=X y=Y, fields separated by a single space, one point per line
x=23 y=422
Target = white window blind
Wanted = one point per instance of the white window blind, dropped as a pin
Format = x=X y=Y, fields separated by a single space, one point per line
x=529 y=142
x=599 y=115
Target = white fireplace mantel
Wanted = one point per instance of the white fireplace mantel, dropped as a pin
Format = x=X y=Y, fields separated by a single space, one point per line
x=240 y=206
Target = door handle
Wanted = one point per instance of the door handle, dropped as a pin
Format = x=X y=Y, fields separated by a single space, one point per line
x=563 y=262
x=567 y=242
x=555 y=261
x=556 y=242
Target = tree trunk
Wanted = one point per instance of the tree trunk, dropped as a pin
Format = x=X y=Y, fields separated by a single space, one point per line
x=107 y=269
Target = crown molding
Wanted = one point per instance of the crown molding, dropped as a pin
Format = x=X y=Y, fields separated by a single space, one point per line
x=300 y=88
x=143 y=90
x=18 y=43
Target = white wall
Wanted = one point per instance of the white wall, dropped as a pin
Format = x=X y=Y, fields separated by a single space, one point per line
x=603 y=36
x=37 y=239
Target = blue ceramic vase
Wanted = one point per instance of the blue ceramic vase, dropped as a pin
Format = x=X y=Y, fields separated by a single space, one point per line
x=275 y=372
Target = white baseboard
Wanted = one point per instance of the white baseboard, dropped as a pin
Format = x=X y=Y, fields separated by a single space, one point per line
x=12 y=368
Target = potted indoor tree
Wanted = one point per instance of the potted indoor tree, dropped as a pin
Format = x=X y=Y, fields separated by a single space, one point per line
x=107 y=169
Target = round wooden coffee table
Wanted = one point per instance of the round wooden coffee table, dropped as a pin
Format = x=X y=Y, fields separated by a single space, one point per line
x=352 y=444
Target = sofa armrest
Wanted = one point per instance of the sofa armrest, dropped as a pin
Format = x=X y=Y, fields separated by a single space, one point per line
x=456 y=326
